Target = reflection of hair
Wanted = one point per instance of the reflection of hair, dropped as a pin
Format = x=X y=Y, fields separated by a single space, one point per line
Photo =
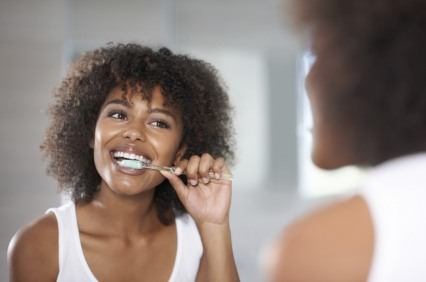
x=189 y=85
x=372 y=70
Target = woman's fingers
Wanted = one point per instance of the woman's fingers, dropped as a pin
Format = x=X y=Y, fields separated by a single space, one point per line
x=206 y=164
x=202 y=169
x=219 y=166
x=192 y=170
x=181 y=167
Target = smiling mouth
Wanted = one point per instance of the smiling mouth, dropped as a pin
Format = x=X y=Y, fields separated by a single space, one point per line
x=130 y=160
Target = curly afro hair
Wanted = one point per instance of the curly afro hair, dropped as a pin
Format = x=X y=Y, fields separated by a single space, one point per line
x=373 y=70
x=189 y=85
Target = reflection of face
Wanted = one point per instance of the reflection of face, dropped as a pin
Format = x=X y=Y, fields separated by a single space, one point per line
x=132 y=125
x=330 y=146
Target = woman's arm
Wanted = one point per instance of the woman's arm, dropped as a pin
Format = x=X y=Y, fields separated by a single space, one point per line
x=332 y=244
x=33 y=252
x=208 y=202
x=217 y=263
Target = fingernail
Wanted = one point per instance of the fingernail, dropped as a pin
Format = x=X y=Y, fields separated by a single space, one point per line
x=217 y=175
x=178 y=171
x=193 y=182
x=206 y=180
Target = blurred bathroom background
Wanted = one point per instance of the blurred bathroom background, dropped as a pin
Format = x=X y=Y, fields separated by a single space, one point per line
x=250 y=42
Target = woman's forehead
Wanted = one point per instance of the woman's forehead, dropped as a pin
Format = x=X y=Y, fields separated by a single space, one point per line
x=131 y=94
x=155 y=98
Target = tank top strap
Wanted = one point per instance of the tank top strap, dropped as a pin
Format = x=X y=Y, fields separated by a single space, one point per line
x=189 y=250
x=72 y=264
x=394 y=192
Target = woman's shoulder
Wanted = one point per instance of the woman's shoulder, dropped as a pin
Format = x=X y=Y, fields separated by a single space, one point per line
x=38 y=236
x=33 y=250
x=334 y=243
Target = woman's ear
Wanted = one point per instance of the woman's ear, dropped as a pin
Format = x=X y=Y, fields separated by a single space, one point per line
x=180 y=153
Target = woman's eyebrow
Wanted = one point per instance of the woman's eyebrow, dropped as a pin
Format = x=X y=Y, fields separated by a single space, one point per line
x=118 y=101
x=152 y=110
x=163 y=111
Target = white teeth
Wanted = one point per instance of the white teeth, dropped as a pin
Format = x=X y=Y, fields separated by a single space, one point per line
x=130 y=156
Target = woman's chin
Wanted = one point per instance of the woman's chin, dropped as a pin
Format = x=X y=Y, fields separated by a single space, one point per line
x=328 y=161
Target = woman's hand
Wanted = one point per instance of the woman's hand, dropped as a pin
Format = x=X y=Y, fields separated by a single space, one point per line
x=206 y=198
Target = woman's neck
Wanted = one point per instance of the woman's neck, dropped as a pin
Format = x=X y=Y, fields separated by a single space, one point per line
x=123 y=215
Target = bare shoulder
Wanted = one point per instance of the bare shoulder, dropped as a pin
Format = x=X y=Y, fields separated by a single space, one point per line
x=331 y=244
x=33 y=251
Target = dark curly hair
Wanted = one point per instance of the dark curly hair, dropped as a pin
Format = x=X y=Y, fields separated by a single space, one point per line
x=373 y=70
x=189 y=85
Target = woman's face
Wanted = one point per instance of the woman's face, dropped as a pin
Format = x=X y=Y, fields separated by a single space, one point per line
x=331 y=144
x=129 y=127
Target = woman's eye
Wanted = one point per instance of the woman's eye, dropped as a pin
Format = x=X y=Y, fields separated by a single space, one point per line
x=160 y=124
x=117 y=115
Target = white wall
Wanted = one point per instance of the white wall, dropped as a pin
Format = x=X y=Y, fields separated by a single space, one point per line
x=31 y=44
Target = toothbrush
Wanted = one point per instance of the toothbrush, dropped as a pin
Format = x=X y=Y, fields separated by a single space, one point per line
x=135 y=164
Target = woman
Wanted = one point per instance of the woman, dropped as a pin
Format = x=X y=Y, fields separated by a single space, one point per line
x=367 y=89
x=121 y=109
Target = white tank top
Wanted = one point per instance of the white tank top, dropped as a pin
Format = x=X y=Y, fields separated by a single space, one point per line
x=73 y=265
x=395 y=193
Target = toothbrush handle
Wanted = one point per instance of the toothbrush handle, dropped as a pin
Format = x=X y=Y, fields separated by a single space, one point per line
x=224 y=176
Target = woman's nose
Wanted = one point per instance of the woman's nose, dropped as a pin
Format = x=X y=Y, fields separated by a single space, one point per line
x=134 y=133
